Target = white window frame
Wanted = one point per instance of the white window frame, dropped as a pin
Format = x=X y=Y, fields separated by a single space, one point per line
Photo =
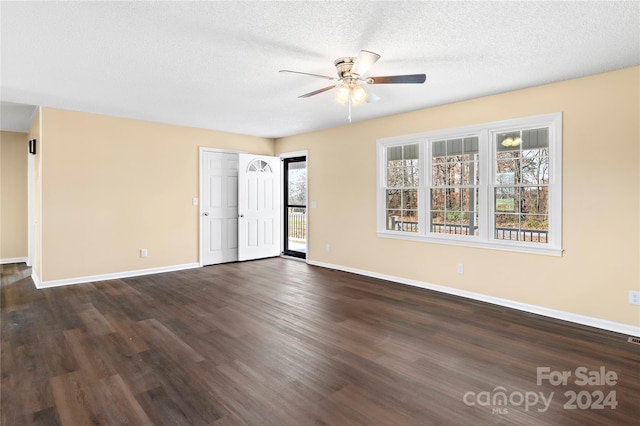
x=486 y=134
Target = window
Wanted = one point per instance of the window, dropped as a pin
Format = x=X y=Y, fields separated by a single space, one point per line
x=259 y=166
x=521 y=186
x=401 y=188
x=454 y=186
x=496 y=185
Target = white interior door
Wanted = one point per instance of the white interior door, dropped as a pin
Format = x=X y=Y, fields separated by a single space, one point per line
x=219 y=207
x=258 y=206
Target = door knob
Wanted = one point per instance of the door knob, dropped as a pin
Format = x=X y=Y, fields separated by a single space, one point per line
x=206 y=213
x=241 y=215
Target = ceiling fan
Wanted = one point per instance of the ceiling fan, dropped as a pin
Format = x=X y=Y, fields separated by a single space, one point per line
x=351 y=76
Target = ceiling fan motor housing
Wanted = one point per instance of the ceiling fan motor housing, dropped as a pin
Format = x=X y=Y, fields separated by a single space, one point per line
x=343 y=66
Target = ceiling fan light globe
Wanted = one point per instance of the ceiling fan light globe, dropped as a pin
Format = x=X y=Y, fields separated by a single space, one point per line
x=358 y=95
x=342 y=94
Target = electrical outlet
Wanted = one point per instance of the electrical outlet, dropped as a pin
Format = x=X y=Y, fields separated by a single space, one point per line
x=634 y=297
x=328 y=248
x=143 y=252
x=460 y=268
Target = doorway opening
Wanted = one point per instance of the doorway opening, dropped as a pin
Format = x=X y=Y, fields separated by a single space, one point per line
x=295 y=206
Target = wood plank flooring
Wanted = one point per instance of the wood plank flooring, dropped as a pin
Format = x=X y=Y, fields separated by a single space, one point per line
x=279 y=342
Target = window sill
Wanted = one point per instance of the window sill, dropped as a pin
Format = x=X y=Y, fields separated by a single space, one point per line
x=473 y=242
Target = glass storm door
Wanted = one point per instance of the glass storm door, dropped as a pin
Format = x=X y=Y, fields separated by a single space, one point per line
x=295 y=206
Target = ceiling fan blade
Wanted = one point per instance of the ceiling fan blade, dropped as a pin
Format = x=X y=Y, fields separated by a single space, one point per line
x=315 y=92
x=313 y=75
x=395 y=79
x=363 y=62
x=372 y=97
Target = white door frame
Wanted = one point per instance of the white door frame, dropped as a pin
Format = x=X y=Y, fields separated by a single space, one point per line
x=201 y=152
x=303 y=153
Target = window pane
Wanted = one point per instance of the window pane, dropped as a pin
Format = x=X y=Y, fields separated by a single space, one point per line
x=410 y=152
x=506 y=227
x=455 y=174
x=439 y=172
x=454 y=147
x=535 y=221
x=536 y=138
x=467 y=221
x=412 y=176
x=297 y=183
x=471 y=221
x=437 y=199
x=453 y=200
x=393 y=217
x=507 y=221
x=408 y=221
x=535 y=228
x=394 y=153
x=515 y=227
x=510 y=141
x=437 y=222
x=510 y=167
x=535 y=167
x=394 y=177
x=394 y=199
x=535 y=199
x=468 y=199
x=505 y=199
x=471 y=145
x=410 y=199
x=468 y=173
x=508 y=154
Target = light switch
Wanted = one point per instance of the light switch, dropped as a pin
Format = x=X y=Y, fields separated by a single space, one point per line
x=313 y=204
x=195 y=201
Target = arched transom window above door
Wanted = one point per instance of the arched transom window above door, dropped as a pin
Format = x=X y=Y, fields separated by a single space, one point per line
x=259 y=166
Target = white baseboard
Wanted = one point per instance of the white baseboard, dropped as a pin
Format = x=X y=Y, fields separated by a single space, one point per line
x=13 y=260
x=36 y=279
x=540 y=310
x=111 y=276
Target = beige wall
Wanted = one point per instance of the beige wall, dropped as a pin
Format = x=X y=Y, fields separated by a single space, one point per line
x=111 y=186
x=13 y=204
x=601 y=200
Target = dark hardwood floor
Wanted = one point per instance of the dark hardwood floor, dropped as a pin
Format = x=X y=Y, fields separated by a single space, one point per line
x=279 y=342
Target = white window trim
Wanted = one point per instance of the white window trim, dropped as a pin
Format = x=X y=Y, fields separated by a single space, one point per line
x=486 y=133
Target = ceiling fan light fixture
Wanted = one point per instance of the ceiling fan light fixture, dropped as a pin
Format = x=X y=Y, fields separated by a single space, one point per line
x=342 y=94
x=358 y=95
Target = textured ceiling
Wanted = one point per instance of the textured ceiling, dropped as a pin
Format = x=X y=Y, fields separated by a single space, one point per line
x=215 y=64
